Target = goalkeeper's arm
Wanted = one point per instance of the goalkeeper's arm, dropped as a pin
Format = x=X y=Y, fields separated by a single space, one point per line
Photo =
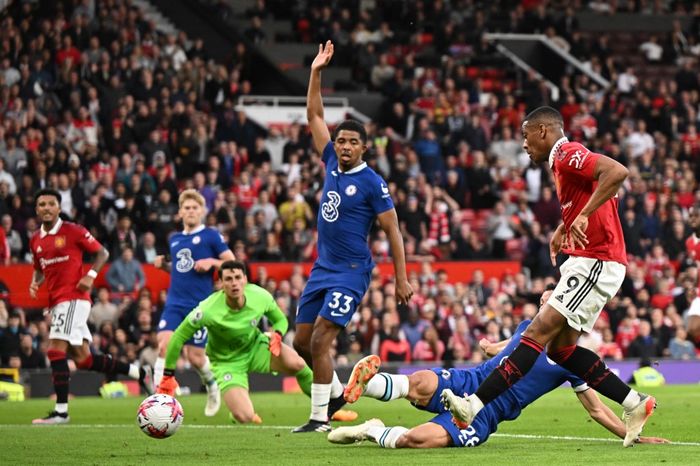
x=184 y=332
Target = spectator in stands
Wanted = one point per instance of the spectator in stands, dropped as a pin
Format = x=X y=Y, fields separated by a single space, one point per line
x=30 y=357
x=651 y=49
x=147 y=251
x=103 y=310
x=125 y=275
x=644 y=345
x=680 y=347
x=429 y=347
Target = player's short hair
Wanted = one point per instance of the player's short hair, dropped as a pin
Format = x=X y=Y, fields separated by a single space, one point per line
x=47 y=192
x=232 y=265
x=191 y=194
x=352 y=125
x=550 y=287
x=545 y=115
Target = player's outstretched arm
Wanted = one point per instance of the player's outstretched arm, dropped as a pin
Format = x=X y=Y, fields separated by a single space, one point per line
x=604 y=416
x=205 y=265
x=314 y=103
x=492 y=349
x=610 y=175
x=389 y=222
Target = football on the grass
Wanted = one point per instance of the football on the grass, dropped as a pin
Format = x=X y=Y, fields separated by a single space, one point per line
x=159 y=416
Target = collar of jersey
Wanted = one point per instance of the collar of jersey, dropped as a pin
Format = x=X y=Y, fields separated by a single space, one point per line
x=560 y=142
x=361 y=166
x=196 y=230
x=52 y=231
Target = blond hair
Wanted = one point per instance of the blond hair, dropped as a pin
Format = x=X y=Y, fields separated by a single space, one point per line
x=190 y=194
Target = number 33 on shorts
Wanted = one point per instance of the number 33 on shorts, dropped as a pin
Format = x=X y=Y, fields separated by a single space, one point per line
x=340 y=304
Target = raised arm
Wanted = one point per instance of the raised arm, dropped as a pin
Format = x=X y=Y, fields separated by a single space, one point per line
x=314 y=103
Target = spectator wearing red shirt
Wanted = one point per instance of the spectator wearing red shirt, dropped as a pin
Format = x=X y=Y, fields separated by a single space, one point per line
x=69 y=55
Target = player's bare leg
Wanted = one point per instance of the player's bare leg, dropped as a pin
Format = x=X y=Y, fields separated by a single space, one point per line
x=322 y=337
x=428 y=435
x=240 y=406
x=302 y=342
x=199 y=360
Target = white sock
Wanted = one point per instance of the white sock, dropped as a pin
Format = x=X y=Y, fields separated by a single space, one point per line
x=631 y=400
x=61 y=408
x=387 y=387
x=336 y=387
x=320 y=396
x=386 y=437
x=205 y=373
x=476 y=402
x=134 y=372
x=158 y=369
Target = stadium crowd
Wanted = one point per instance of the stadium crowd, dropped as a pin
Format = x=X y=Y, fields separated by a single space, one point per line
x=97 y=103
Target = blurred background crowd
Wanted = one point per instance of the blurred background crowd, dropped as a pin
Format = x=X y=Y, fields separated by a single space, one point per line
x=119 y=117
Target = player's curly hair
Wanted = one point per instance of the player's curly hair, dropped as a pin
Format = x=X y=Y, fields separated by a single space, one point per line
x=47 y=192
x=352 y=125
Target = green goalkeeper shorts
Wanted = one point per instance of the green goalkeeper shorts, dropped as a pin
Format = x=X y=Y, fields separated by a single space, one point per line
x=235 y=373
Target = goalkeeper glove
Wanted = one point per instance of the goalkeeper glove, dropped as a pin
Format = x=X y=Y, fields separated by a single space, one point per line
x=275 y=343
x=168 y=384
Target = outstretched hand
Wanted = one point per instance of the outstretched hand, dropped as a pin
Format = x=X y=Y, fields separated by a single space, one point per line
x=325 y=53
x=652 y=440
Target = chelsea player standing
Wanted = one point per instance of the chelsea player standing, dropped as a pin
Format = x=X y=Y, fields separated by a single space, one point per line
x=196 y=251
x=353 y=196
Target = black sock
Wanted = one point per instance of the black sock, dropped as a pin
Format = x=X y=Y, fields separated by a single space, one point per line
x=107 y=364
x=60 y=376
x=509 y=371
x=588 y=365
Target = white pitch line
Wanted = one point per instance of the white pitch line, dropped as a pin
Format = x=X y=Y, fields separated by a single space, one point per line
x=270 y=427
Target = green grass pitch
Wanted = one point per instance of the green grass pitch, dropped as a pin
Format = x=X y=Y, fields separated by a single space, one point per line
x=555 y=430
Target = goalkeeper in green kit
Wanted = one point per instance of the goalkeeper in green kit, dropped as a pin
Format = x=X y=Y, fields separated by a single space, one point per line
x=236 y=346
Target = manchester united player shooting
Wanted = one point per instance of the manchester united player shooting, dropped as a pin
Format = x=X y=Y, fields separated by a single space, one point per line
x=58 y=249
x=587 y=184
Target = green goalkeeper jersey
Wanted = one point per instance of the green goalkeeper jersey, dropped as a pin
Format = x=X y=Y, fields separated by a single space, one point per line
x=231 y=332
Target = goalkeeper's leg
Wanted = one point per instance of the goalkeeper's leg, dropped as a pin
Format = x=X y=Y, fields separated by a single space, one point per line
x=241 y=407
x=289 y=362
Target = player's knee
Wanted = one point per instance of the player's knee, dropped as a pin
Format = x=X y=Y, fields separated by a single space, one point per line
x=420 y=388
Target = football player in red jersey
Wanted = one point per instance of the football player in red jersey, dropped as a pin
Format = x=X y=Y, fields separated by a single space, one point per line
x=58 y=249
x=587 y=184
x=692 y=245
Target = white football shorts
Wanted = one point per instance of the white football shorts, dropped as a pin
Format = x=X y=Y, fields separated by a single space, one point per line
x=69 y=321
x=585 y=287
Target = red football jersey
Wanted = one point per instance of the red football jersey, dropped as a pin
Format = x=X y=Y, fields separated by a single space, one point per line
x=59 y=255
x=573 y=166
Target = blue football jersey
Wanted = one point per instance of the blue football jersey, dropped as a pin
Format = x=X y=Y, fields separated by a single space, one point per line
x=545 y=375
x=350 y=204
x=187 y=286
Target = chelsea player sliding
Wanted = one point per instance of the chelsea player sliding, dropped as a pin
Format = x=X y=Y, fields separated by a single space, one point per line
x=353 y=196
x=196 y=251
